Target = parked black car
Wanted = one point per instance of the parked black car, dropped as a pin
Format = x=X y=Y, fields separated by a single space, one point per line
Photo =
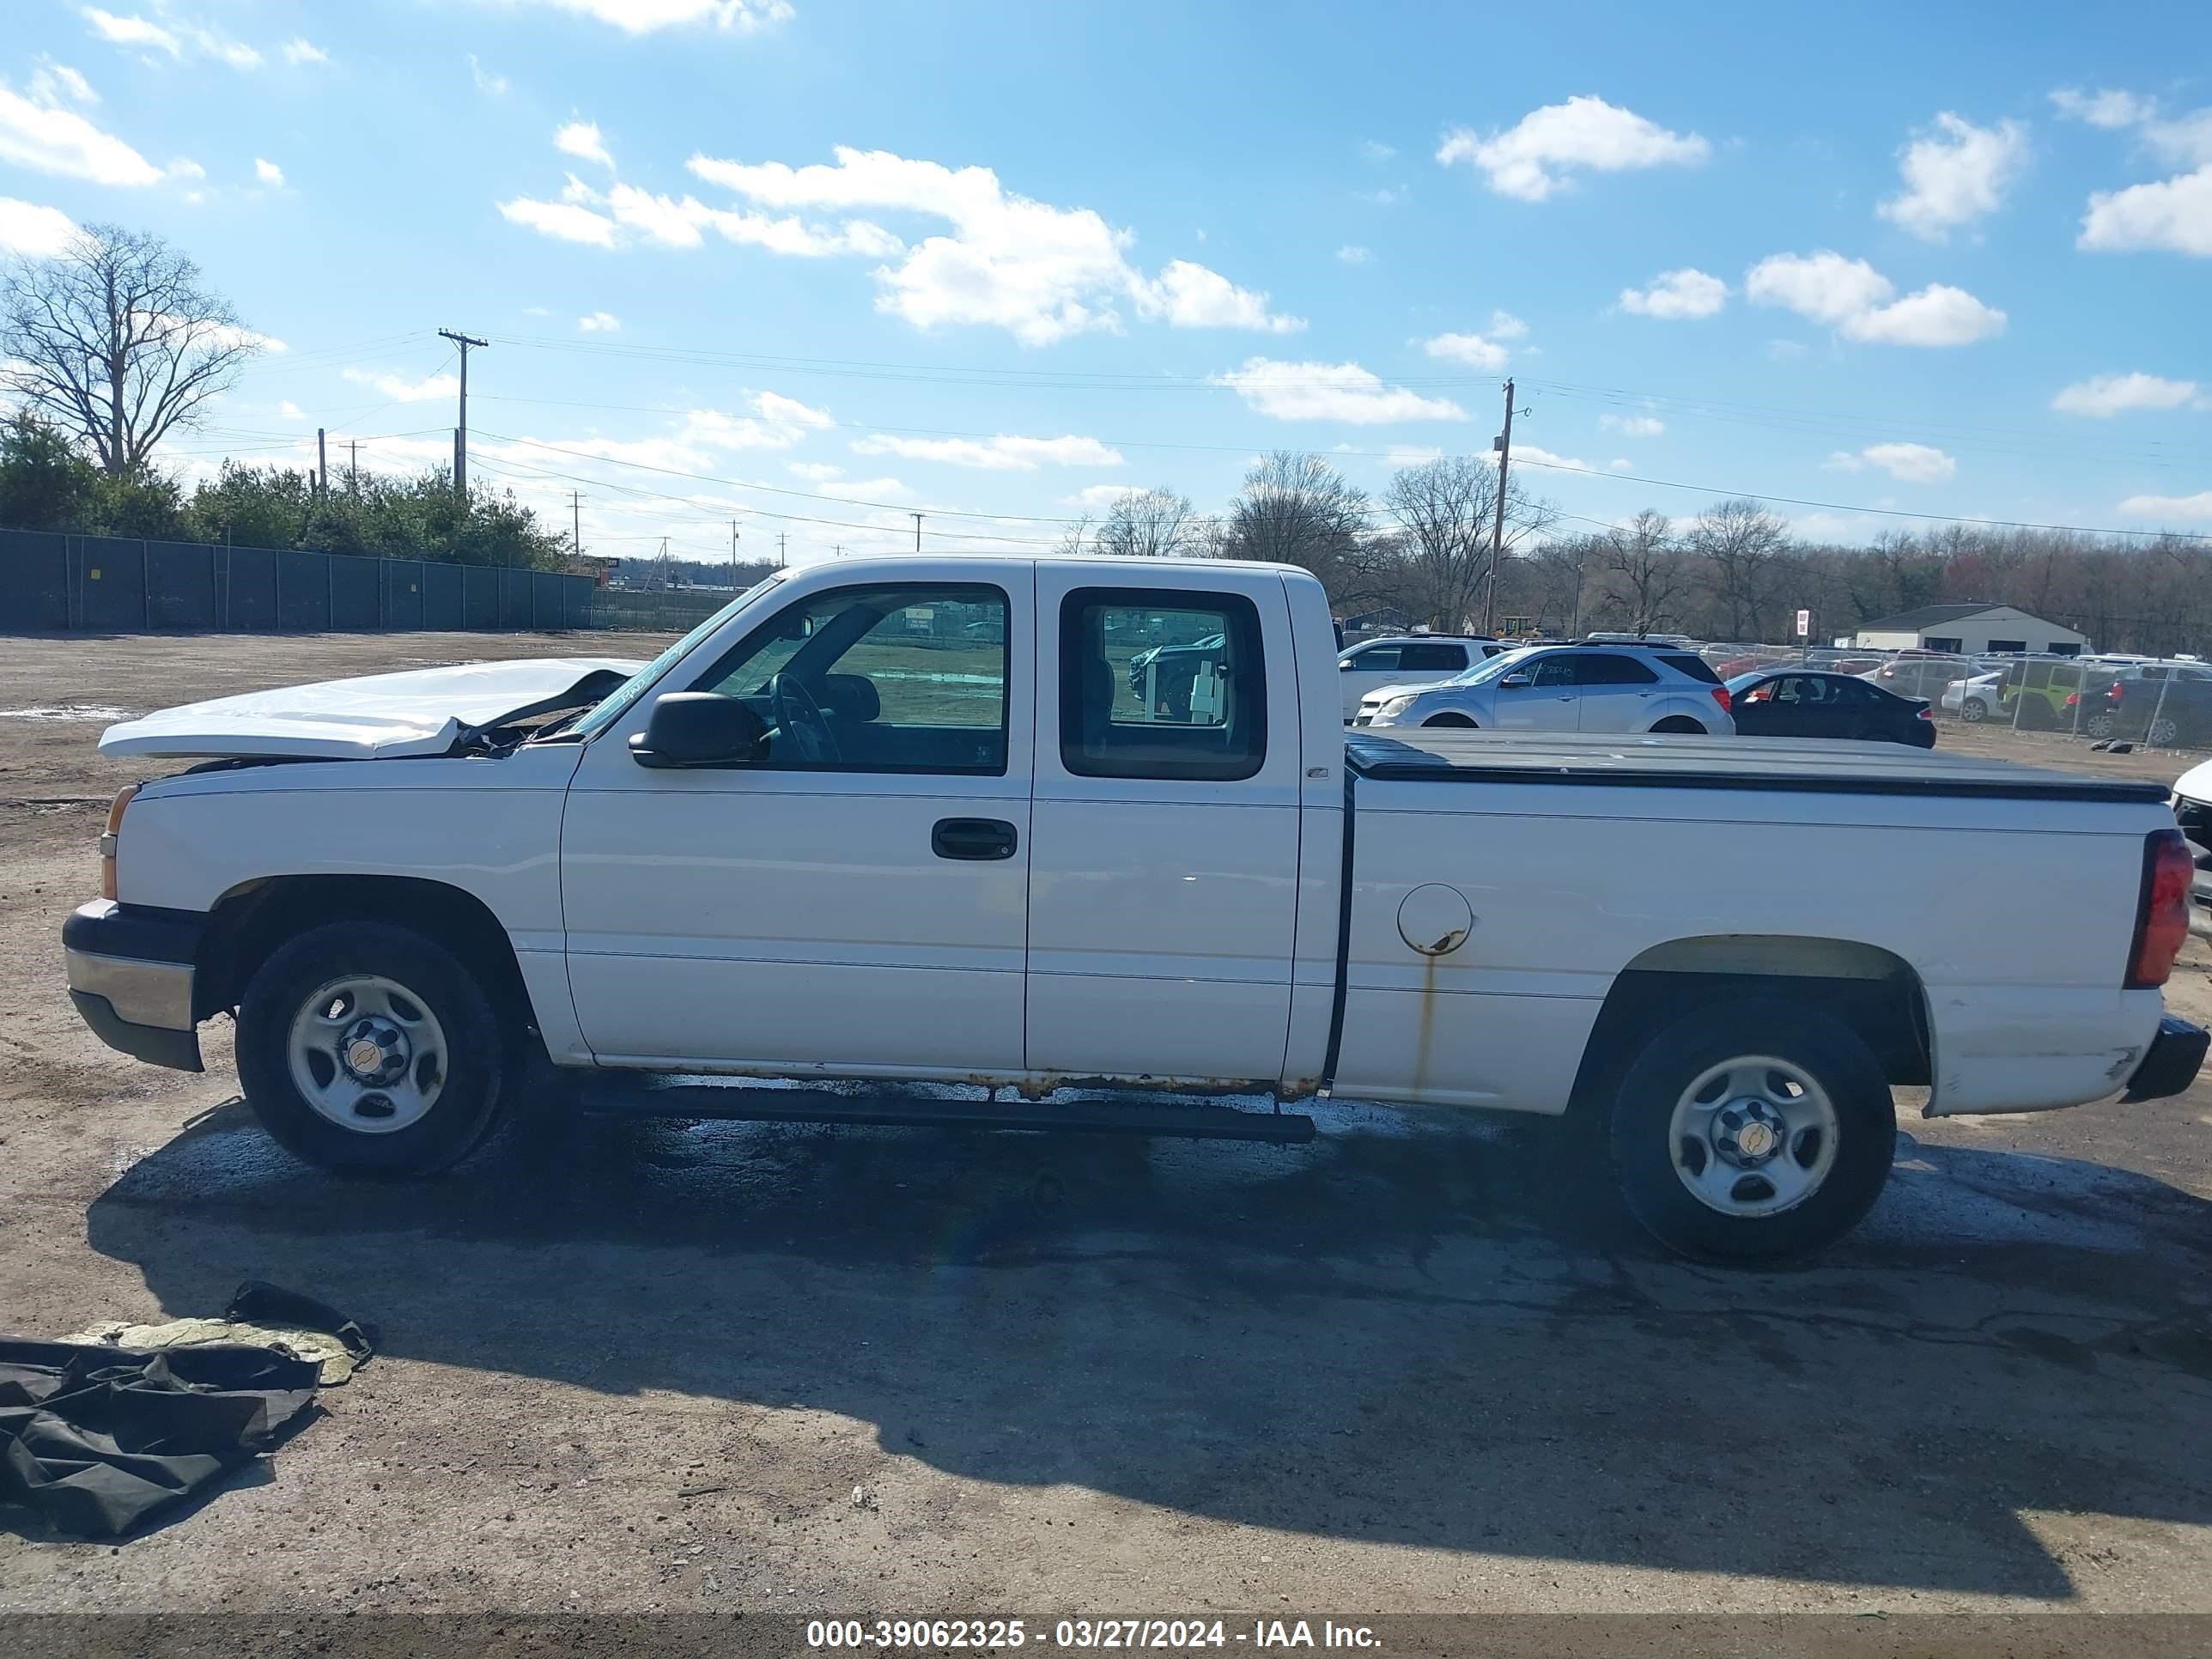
x=1794 y=702
x=2164 y=713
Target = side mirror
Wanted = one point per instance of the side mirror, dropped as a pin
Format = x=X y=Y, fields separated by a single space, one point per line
x=1514 y=682
x=1346 y=665
x=700 y=729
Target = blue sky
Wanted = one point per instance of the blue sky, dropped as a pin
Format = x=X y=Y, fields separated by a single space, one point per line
x=1008 y=257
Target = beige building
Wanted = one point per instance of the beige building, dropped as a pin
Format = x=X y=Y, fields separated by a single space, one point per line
x=1970 y=630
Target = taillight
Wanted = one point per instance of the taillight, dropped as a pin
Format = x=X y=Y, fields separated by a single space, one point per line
x=107 y=840
x=1921 y=712
x=1720 y=696
x=2162 y=913
x=2072 y=698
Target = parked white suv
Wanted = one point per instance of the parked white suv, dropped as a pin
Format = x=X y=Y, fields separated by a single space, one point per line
x=1566 y=688
x=1408 y=660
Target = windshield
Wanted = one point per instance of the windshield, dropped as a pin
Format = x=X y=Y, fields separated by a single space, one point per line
x=1745 y=682
x=1483 y=673
x=624 y=695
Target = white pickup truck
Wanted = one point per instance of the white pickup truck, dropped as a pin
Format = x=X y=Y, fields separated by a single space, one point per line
x=911 y=819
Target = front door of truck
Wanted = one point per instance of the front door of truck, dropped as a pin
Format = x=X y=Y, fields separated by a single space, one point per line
x=1163 y=857
x=857 y=899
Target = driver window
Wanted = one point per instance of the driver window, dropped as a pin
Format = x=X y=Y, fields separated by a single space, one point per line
x=904 y=678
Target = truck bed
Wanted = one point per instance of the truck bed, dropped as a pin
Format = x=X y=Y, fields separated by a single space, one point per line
x=1804 y=765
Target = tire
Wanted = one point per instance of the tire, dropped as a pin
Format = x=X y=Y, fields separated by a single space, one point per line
x=2164 y=731
x=1706 y=1080
x=385 y=999
x=1460 y=720
x=2100 y=725
x=1973 y=710
x=1680 y=725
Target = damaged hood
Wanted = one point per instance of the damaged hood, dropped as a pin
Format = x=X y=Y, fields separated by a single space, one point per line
x=420 y=712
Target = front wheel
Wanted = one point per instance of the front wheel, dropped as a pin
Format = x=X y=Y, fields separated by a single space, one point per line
x=1973 y=711
x=1752 y=1133
x=369 y=1049
x=1459 y=720
x=2100 y=725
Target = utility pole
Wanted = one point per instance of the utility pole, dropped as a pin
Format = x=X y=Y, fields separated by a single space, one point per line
x=780 y=561
x=1503 y=445
x=322 y=463
x=576 y=523
x=733 y=555
x=461 y=432
x=353 y=466
x=917 y=532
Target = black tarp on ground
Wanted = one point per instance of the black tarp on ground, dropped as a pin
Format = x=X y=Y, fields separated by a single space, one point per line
x=96 y=1439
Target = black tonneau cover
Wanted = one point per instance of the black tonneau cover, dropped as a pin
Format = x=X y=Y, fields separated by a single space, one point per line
x=1441 y=755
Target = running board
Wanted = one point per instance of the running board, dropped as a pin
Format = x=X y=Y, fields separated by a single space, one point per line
x=742 y=1105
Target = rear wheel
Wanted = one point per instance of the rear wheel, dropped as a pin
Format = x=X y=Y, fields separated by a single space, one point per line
x=1752 y=1133
x=2101 y=724
x=2163 y=731
x=1973 y=711
x=1460 y=720
x=367 y=1048
x=1681 y=724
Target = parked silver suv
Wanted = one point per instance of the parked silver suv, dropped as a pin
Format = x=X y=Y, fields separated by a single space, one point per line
x=1566 y=688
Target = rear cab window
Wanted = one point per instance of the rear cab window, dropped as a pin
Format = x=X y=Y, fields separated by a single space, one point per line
x=1696 y=667
x=1160 y=683
x=1604 y=668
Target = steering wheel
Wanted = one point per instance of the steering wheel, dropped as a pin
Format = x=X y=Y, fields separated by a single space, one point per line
x=799 y=717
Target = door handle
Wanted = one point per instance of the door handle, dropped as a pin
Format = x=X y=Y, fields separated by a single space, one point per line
x=973 y=838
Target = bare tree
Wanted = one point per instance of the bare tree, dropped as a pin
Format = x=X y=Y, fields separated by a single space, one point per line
x=118 y=341
x=1149 y=524
x=1563 y=570
x=1739 y=540
x=1297 y=509
x=1643 y=555
x=1446 y=508
x=1081 y=537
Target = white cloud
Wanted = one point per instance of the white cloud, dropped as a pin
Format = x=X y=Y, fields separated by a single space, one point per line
x=300 y=50
x=1100 y=498
x=1353 y=254
x=1937 y=315
x=1907 y=463
x=1954 y=175
x=1633 y=426
x=563 y=219
x=1849 y=294
x=290 y=410
x=644 y=16
x=401 y=390
x=1473 y=350
x=268 y=173
x=1536 y=455
x=487 y=83
x=132 y=32
x=47 y=139
x=2172 y=216
x=235 y=53
x=1531 y=159
x=1039 y=272
x=1330 y=391
x=2104 y=108
x=582 y=139
x=54 y=83
x=1375 y=150
x=1403 y=455
x=815 y=471
x=600 y=322
x=1688 y=293
x=1388 y=196
x=2169 y=509
x=33 y=231
x=1506 y=326
x=999 y=455
x=1193 y=296
x=2103 y=396
x=1784 y=351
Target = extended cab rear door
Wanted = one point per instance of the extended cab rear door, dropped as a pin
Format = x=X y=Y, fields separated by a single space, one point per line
x=1163 y=844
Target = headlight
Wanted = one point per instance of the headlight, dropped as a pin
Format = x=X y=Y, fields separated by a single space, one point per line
x=1395 y=706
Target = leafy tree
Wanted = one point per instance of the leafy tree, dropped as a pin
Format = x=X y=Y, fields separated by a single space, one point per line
x=45 y=483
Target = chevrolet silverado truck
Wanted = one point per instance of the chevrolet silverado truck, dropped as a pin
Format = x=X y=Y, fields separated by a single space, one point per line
x=906 y=820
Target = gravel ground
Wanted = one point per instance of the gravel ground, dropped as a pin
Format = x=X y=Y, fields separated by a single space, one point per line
x=721 y=1367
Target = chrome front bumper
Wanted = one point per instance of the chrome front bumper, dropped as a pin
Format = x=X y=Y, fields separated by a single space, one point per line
x=130 y=978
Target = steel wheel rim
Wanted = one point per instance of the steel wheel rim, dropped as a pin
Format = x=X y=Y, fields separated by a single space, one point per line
x=368 y=1054
x=2162 y=733
x=1754 y=1135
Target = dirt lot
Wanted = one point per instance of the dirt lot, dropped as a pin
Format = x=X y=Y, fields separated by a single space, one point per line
x=732 y=1367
